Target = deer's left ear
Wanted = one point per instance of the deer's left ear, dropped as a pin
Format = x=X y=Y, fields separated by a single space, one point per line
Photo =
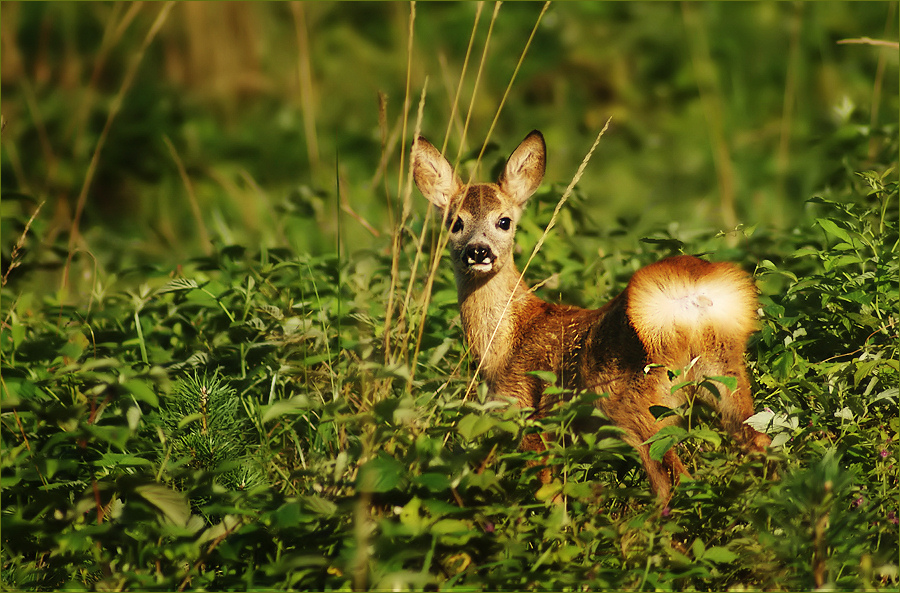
x=525 y=168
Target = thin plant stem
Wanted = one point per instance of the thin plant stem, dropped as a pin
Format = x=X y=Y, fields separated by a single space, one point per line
x=512 y=79
x=462 y=76
x=405 y=208
x=484 y=53
x=192 y=198
x=304 y=71
x=711 y=98
x=116 y=105
x=540 y=243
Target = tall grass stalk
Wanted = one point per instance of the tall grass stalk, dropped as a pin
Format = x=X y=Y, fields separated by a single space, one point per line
x=562 y=200
x=444 y=237
x=711 y=98
x=114 y=108
x=512 y=80
x=484 y=54
x=790 y=93
x=879 y=77
x=398 y=225
x=304 y=72
x=462 y=75
x=192 y=197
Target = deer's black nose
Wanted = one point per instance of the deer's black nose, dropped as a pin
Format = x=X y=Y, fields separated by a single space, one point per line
x=478 y=253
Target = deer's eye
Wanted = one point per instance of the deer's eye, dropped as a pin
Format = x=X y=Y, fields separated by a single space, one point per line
x=504 y=223
x=456 y=226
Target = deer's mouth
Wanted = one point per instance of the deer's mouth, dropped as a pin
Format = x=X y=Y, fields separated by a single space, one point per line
x=478 y=259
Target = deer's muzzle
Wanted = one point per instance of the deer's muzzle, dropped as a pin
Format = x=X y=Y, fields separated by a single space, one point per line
x=478 y=257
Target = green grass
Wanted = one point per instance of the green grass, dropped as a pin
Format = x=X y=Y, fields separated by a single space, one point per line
x=236 y=369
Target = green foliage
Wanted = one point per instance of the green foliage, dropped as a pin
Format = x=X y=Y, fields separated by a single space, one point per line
x=238 y=440
x=281 y=405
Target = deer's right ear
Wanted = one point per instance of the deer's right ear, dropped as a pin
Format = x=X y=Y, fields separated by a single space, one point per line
x=525 y=168
x=433 y=174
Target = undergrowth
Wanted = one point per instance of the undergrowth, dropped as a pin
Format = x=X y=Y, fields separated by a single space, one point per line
x=281 y=418
x=222 y=426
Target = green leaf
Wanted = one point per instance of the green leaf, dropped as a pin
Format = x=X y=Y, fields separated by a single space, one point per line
x=708 y=435
x=319 y=505
x=473 y=425
x=434 y=482
x=380 y=474
x=174 y=505
x=452 y=531
x=121 y=459
x=667 y=431
x=142 y=392
x=720 y=555
x=830 y=227
x=659 y=448
x=660 y=412
x=177 y=284
x=295 y=405
x=728 y=381
x=545 y=376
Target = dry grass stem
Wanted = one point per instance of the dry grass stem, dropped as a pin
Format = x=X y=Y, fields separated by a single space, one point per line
x=304 y=71
x=20 y=243
x=454 y=115
x=484 y=53
x=512 y=79
x=114 y=108
x=192 y=198
x=870 y=41
x=578 y=173
x=404 y=198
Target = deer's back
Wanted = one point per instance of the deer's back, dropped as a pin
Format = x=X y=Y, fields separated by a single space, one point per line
x=593 y=349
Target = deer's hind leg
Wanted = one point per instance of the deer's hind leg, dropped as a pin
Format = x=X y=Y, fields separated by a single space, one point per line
x=630 y=411
x=725 y=357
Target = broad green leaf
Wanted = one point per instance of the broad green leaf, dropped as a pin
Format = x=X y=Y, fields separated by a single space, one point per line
x=121 y=459
x=473 y=425
x=453 y=532
x=549 y=491
x=174 y=505
x=319 y=505
x=411 y=515
x=720 y=555
x=295 y=405
x=728 y=381
x=142 y=392
x=661 y=446
x=830 y=227
x=380 y=474
x=660 y=412
x=433 y=481
x=545 y=376
x=668 y=431
x=708 y=435
x=227 y=525
x=176 y=285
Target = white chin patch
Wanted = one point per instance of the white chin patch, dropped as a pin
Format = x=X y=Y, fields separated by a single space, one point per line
x=482 y=268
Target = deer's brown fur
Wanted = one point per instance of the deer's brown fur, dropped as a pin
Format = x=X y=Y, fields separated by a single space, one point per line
x=679 y=313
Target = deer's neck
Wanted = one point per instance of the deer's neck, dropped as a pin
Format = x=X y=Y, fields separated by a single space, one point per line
x=492 y=310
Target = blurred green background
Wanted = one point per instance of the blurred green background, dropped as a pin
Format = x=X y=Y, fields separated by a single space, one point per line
x=280 y=124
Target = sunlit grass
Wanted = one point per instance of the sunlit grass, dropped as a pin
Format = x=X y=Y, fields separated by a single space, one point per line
x=255 y=376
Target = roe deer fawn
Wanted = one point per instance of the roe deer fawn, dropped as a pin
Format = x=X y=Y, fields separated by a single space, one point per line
x=679 y=313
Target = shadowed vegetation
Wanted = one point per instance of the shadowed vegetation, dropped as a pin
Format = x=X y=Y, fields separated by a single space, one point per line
x=232 y=358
